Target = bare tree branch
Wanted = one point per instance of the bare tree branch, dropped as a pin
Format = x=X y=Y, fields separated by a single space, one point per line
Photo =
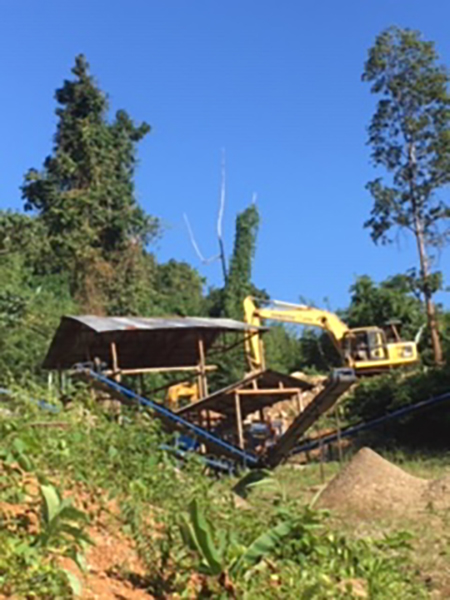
x=205 y=261
x=219 y=221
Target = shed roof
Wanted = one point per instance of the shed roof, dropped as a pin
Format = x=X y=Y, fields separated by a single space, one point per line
x=141 y=342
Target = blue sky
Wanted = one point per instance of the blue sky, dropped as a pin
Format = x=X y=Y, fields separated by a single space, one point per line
x=277 y=85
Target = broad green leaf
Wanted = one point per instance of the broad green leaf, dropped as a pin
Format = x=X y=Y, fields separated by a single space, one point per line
x=52 y=502
x=78 y=558
x=203 y=535
x=19 y=445
x=24 y=462
x=81 y=562
x=71 y=513
x=74 y=582
x=76 y=533
x=262 y=546
x=245 y=483
x=188 y=534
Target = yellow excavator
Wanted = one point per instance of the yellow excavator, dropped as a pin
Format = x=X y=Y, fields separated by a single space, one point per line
x=367 y=350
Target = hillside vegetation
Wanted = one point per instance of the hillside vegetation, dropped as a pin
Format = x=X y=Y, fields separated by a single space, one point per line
x=186 y=534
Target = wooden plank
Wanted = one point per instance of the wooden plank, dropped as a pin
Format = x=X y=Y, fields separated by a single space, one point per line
x=159 y=370
x=239 y=421
x=265 y=392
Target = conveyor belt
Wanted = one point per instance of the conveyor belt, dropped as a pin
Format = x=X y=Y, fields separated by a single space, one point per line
x=173 y=421
x=337 y=384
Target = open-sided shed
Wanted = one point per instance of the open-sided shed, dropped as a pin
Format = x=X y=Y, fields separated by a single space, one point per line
x=132 y=345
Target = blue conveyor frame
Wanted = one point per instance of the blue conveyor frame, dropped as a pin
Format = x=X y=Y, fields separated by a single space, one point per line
x=354 y=430
x=174 y=421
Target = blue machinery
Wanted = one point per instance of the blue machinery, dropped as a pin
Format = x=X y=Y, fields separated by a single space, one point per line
x=336 y=385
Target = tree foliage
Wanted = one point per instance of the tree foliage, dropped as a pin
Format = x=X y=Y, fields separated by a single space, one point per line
x=239 y=280
x=30 y=308
x=410 y=138
x=84 y=194
x=392 y=299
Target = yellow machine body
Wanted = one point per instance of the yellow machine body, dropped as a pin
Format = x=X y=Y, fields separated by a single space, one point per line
x=365 y=349
x=184 y=390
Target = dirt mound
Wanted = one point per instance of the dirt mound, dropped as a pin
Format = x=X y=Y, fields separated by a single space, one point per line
x=437 y=494
x=371 y=484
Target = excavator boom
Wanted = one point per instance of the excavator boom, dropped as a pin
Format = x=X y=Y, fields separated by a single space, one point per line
x=365 y=349
x=284 y=312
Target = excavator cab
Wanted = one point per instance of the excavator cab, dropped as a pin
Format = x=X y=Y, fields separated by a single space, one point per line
x=372 y=349
x=365 y=344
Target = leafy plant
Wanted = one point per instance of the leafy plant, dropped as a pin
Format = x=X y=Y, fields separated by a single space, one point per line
x=25 y=570
x=59 y=525
x=227 y=557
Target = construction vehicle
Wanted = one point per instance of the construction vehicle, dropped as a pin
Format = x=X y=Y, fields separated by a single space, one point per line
x=183 y=391
x=367 y=350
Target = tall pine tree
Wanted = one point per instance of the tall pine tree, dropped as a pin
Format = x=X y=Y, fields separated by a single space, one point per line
x=84 y=194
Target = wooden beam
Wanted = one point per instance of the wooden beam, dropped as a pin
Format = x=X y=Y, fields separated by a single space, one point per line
x=265 y=392
x=159 y=370
x=240 y=430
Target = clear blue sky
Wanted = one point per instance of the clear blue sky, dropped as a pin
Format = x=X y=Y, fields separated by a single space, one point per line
x=277 y=84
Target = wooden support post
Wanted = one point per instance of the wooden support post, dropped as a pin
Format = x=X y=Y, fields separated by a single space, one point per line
x=338 y=427
x=208 y=420
x=322 y=458
x=203 y=383
x=300 y=406
x=240 y=430
x=115 y=363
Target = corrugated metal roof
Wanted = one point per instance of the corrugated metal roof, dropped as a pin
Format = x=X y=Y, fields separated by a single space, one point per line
x=104 y=324
x=141 y=342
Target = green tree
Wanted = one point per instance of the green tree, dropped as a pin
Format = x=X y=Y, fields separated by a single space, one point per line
x=392 y=299
x=228 y=301
x=26 y=236
x=239 y=280
x=180 y=289
x=30 y=309
x=84 y=194
x=410 y=137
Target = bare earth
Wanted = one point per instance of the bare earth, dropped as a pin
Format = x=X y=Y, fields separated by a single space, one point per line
x=371 y=485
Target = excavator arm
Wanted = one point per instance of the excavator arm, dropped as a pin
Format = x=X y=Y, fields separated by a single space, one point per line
x=289 y=313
